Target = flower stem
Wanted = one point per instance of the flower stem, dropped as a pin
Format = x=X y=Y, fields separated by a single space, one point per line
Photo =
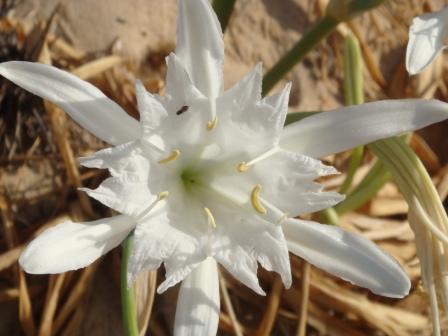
x=127 y=292
x=317 y=32
x=366 y=190
x=223 y=10
x=329 y=216
x=353 y=91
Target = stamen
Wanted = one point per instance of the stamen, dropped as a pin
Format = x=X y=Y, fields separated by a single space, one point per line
x=162 y=195
x=254 y=198
x=212 y=124
x=173 y=156
x=244 y=166
x=211 y=219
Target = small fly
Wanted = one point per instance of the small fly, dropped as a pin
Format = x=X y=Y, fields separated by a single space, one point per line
x=182 y=110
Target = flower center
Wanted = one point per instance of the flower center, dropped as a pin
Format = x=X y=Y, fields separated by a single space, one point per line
x=207 y=189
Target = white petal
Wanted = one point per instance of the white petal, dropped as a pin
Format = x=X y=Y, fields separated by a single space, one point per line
x=200 y=45
x=179 y=85
x=238 y=262
x=130 y=190
x=292 y=188
x=171 y=232
x=70 y=246
x=242 y=105
x=157 y=241
x=112 y=158
x=279 y=103
x=348 y=256
x=87 y=105
x=197 y=310
x=335 y=131
x=427 y=36
x=246 y=91
x=241 y=238
x=151 y=111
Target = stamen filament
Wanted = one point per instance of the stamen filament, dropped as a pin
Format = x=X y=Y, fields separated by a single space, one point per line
x=160 y=196
x=244 y=166
x=173 y=156
x=254 y=198
x=211 y=219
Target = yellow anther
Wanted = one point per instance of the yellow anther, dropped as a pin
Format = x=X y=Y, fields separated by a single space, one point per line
x=211 y=219
x=256 y=201
x=173 y=156
x=243 y=167
x=162 y=195
x=212 y=124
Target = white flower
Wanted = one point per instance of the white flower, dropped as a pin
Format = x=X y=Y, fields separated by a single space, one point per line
x=211 y=176
x=427 y=37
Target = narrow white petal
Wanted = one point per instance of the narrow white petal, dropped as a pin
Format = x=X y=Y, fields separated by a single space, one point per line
x=279 y=103
x=238 y=262
x=200 y=45
x=427 y=36
x=197 y=311
x=179 y=84
x=168 y=233
x=335 y=131
x=348 y=256
x=246 y=92
x=87 y=105
x=130 y=190
x=150 y=109
x=70 y=246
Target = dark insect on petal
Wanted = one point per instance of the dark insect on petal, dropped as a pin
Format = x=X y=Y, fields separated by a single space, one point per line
x=182 y=110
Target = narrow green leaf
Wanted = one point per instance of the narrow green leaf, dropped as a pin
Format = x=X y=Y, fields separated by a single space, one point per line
x=223 y=10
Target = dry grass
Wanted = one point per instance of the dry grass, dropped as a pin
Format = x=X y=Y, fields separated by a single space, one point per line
x=39 y=177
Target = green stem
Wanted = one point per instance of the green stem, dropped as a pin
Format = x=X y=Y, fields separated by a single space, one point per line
x=353 y=91
x=353 y=80
x=293 y=117
x=317 y=32
x=366 y=190
x=329 y=216
x=223 y=10
x=130 y=325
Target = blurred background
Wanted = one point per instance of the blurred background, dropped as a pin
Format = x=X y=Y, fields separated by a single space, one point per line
x=111 y=43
